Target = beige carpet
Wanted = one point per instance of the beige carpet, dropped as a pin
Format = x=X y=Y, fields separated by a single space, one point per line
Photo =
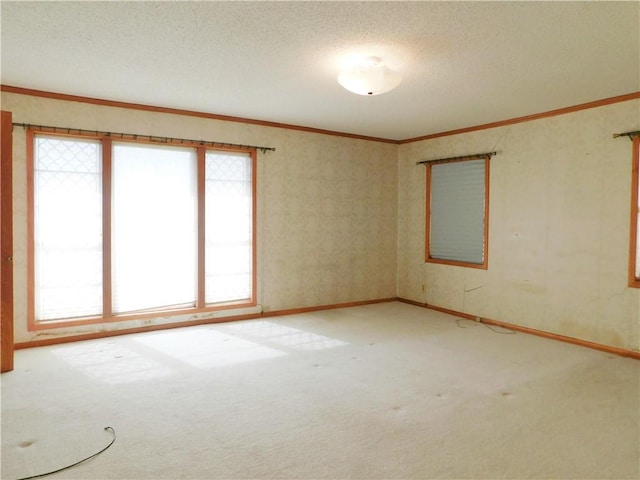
x=380 y=391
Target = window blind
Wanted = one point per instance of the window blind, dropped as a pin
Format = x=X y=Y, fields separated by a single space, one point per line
x=457 y=211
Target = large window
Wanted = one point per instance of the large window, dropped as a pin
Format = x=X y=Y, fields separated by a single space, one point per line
x=154 y=227
x=126 y=229
x=634 y=248
x=457 y=212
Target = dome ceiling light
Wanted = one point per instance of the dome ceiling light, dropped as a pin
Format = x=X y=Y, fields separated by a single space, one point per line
x=369 y=77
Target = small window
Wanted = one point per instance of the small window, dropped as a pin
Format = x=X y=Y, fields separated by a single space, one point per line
x=634 y=248
x=457 y=212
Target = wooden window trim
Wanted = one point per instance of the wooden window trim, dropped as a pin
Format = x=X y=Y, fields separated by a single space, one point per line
x=106 y=229
x=108 y=316
x=31 y=259
x=633 y=228
x=428 y=258
x=201 y=189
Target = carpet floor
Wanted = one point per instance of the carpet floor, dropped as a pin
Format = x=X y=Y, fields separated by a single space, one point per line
x=384 y=391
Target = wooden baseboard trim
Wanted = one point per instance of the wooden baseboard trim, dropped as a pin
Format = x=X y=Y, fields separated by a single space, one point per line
x=293 y=311
x=532 y=331
x=204 y=321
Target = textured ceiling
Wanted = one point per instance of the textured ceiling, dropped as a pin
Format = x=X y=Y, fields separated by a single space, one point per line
x=464 y=63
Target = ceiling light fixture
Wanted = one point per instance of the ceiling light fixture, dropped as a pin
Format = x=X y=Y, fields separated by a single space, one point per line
x=369 y=77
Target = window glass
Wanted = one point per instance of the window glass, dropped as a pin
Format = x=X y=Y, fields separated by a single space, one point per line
x=457 y=209
x=228 y=220
x=154 y=227
x=67 y=228
x=153 y=217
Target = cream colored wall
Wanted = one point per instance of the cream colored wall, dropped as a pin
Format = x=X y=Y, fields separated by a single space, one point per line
x=559 y=227
x=326 y=207
x=329 y=207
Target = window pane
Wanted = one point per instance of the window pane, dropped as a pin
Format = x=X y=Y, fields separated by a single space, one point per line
x=68 y=228
x=457 y=211
x=228 y=231
x=154 y=224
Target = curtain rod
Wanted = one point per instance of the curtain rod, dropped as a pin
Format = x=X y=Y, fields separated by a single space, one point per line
x=635 y=133
x=134 y=136
x=475 y=156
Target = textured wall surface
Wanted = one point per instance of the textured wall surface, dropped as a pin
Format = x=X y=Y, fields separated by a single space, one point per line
x=326 y=207
x=558 y=227
x=342 y=220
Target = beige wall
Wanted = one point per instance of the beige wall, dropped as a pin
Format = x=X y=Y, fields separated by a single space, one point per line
x=326 y=207
x=559 y=227
x=342 y=220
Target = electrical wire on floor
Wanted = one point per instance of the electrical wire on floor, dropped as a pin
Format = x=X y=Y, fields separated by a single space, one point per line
x=113 y=432
x=490 y=327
